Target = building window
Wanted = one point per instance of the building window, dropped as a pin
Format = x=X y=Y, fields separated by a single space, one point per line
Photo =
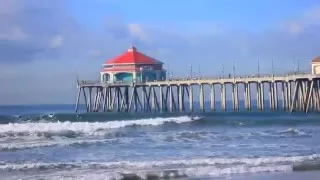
x=108 y=66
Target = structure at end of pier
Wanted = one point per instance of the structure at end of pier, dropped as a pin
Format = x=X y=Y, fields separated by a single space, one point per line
x=132 y=66
x=136 y=82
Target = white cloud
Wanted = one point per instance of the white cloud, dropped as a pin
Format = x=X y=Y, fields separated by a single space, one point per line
x=94 y=53
x=310 y=17
x=295 y=28
x=313 y=14
x=137 y=30
x=56 y=41
x=14 y=33
x=8 y=7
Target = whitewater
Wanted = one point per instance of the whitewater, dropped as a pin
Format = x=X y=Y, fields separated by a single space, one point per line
x=157 y=146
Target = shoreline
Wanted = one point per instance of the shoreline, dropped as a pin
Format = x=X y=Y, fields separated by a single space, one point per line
x=293 y=175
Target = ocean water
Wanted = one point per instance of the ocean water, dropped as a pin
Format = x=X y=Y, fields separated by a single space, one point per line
x=209 y=145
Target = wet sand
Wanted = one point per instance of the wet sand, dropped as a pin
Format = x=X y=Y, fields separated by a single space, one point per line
x=300 y=175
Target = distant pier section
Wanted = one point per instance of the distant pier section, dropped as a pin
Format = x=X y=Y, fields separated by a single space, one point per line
x=135 y=82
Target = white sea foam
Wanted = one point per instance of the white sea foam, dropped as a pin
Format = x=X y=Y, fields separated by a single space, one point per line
x=202 y=162
x=213 y=171
x=196 y=172
x=209 y=167
x=72 y=128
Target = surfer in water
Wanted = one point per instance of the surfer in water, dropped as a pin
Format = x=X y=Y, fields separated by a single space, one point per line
x=190 y=116
x=193 y=117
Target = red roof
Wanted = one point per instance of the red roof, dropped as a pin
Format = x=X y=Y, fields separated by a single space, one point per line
x=316 y=59
x=132 y=56
x=120 y=69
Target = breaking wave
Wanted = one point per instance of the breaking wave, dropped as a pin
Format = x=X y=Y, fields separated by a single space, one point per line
x=16 y=136
x=71 y=129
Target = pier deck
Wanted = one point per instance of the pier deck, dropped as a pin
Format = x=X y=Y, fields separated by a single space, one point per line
x=297 y=92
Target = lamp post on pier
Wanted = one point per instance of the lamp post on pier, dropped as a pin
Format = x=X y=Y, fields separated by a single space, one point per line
x=222 y=71
x=199 y=72
x=272 y=66
x=233 y=69
x=168 y=73
x=295 y=66
x=190 y=71
x=258 y=68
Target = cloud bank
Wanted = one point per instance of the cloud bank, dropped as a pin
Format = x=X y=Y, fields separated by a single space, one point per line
x=43 y=47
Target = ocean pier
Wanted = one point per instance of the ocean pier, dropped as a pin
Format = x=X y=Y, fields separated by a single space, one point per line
x=136 y=82
x=296 y=92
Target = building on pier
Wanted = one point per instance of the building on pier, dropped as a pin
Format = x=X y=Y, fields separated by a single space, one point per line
x=132 y=66
x=315 y=65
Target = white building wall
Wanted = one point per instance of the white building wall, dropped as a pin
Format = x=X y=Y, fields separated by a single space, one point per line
x=111 y=75
x=315 y=68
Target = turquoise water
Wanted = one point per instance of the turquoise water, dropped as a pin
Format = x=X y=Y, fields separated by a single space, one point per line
x=36 y=145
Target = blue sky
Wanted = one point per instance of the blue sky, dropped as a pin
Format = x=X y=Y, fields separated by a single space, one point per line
x=245 y=14
x=44 y=43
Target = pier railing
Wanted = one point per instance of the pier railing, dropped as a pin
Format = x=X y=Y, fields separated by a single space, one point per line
x=216 y=79
x=298 y=92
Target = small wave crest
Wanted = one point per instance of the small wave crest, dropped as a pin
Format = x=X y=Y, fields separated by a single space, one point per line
x=37 y=144
x=176 y=136
x=292 y=131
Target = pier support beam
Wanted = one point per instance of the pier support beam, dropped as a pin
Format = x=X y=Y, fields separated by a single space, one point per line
x=237 y=97
x=258 y=98
x=295 y=99
x=233 y=99
x=249 y=96
x=161 y=98
x=78 y=99
x=201 y=98
x=246 y=96
x=171 y=99
x=212 y=98
x=223 y=97
x=181 y=98
x=191 y=97
x=283 y=99
x=90 y=99
x=275 y=95
x=262 y=95
x=271 y=95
